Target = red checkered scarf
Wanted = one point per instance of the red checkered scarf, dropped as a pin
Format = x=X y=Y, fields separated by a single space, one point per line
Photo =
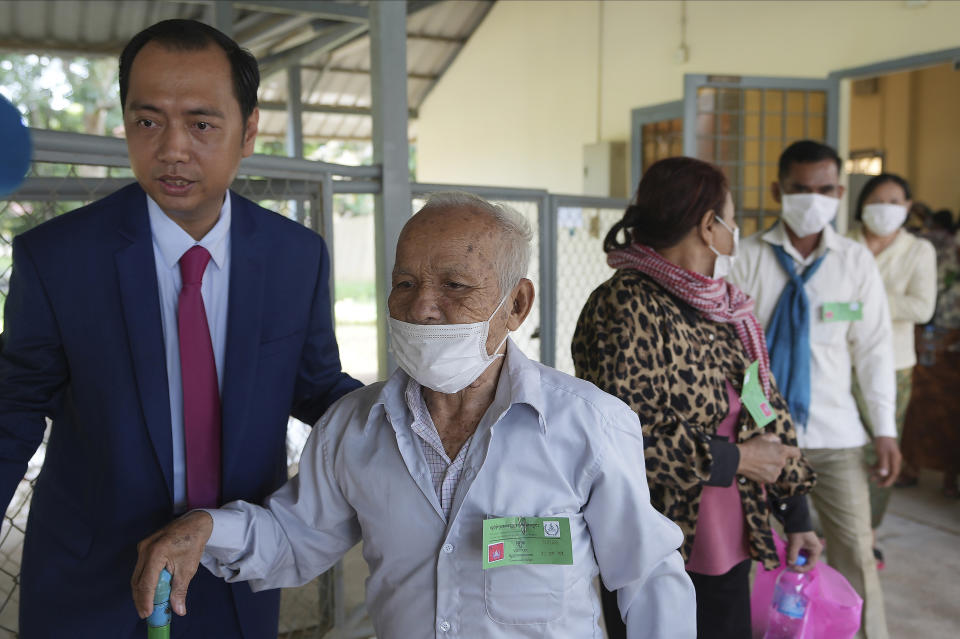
x=717 y=299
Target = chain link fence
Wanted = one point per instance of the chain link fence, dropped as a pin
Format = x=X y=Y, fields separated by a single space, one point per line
x=581 y=266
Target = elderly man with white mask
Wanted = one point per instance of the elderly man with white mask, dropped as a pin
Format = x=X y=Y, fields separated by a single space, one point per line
x=488 y=490
x=821 y=300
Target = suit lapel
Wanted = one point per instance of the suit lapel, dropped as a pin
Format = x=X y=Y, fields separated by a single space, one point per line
x=140 y=300
x=244 y=316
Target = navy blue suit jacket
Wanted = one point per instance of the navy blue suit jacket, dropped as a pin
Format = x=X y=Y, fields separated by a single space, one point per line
x=83 y=346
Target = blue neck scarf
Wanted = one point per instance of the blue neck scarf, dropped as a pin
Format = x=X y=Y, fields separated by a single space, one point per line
x=788 y=338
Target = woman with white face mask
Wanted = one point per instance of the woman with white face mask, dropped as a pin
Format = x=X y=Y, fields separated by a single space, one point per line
x=908 y=267
x=681 y=346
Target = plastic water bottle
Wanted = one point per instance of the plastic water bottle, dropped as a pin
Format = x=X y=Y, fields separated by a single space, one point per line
x=788 y=614
x=928 y=346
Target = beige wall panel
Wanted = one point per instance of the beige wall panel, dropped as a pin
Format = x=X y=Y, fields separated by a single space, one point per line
x=520 y=102
x=936 y=158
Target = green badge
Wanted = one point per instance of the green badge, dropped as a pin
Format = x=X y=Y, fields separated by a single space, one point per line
x=508 y=541
x=753 y=398
x=842 y=312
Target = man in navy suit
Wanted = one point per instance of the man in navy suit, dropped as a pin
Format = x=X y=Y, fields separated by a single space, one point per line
x=96 y=339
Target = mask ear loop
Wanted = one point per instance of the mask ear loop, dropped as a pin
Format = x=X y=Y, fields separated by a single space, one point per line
x=486 y=356
x=710 y=246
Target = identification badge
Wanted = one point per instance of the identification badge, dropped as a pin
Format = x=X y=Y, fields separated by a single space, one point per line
x=509 y=541
x=753 y=398
x=842 y=312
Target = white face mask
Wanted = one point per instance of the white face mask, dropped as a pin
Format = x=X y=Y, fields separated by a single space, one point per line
x=724 y=263
x=884 y=219
x=443 y=357
x=808 y=213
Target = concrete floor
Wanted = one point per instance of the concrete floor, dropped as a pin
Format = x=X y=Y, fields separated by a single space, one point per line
x=920 y=538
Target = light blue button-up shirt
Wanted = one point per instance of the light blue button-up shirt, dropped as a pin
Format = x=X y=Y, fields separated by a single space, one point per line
x=170 y=242
x=549 y=445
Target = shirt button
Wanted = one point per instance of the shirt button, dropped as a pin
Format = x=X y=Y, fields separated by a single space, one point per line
x=444 y=626
x=711 y=336
x=742 y=480
x=783 y=506
x=447 y=548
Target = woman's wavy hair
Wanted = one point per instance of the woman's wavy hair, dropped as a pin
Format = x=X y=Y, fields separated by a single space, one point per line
x=672 y=197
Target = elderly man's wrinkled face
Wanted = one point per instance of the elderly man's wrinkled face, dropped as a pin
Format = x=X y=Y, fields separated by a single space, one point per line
x=445 y=272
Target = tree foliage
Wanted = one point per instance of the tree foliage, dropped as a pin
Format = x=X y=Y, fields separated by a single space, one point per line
x=63 y=94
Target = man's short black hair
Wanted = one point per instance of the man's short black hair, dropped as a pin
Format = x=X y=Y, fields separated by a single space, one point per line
x=191 y=35
x=806 y=152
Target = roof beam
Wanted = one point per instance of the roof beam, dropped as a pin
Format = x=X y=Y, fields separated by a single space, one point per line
x=436 y=38
x=315 y=9
x=415 y=6
x=316 y=67
x=327 y=40
x=271 y=28
x=222 y=17
x=335 y=109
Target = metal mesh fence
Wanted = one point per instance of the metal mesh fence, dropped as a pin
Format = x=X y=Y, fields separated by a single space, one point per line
x=581 y=267
x=53 y=189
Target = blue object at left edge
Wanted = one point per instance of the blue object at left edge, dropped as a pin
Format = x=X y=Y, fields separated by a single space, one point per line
x=15 y=158
x=161 y=614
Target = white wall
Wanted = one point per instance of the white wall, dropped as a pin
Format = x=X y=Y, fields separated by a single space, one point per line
x=519 y=103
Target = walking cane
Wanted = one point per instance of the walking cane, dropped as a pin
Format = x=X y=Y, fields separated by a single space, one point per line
x=158 y=623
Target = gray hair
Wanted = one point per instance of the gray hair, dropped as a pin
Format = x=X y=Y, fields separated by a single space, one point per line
x=514 y=252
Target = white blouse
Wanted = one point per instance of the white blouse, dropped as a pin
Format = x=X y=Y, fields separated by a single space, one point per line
x=909 y=271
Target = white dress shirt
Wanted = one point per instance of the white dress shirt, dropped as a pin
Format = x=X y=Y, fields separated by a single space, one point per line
x=548 y=445
x=848 y=274
x=908 y=267
x=170 y=242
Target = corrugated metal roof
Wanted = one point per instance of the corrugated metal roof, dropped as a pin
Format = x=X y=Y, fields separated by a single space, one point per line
x=335 y=83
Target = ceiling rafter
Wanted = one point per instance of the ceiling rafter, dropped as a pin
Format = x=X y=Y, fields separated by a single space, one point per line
x=327 y=40
x=334 y=109
x=315 y=9
x=327 y=69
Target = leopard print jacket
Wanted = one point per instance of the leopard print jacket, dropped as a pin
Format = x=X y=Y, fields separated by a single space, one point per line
x=660 y=356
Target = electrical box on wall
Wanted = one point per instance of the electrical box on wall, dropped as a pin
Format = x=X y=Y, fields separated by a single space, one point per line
x=605 y=169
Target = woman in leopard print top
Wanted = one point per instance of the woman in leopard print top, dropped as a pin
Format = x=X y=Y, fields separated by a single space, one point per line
x=673 y=341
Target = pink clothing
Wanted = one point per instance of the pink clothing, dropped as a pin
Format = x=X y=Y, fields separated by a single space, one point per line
x=720 y=541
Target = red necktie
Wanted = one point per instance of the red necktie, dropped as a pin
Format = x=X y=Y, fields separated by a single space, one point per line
x=201 y=393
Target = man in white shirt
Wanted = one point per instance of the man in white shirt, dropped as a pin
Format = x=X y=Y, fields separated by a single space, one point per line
x=460 y=461
x=821 y=299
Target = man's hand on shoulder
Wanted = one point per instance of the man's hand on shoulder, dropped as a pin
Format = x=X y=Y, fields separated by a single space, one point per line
x=177 y=547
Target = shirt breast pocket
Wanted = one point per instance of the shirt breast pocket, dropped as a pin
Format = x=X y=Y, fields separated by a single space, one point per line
x=828 y=333
x=532 y=593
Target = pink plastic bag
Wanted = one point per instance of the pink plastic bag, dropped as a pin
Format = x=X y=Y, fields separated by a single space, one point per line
x=834 y=611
